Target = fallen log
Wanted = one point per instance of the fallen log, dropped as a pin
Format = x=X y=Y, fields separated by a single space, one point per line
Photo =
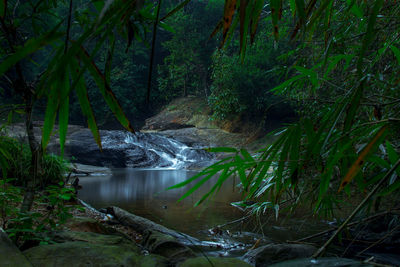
x=143 y=225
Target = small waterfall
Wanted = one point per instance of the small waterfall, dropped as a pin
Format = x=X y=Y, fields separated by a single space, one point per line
x=140 y=150
x=171 y=153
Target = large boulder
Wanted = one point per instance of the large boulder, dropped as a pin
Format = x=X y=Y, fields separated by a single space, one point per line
x=273 y=253
x=10 y=255
x=166 y=246
x=91 y=249
x=123 y=149
x=90 y=254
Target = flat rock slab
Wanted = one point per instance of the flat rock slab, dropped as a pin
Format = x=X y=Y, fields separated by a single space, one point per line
x=10 y=255
x=216 y=261
x=88 y=254
x=274 y=253
x=323 y=262
x=93 y=238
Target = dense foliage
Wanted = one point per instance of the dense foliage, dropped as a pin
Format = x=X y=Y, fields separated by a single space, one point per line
x=336 y=62
x=343 y=74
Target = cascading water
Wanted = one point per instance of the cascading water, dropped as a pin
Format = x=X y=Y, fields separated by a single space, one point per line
x=140 y=150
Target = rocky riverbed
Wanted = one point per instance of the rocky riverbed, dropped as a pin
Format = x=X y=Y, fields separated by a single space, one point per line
x=119 y=238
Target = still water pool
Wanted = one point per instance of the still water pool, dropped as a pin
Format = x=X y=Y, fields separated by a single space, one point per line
x=143 y=192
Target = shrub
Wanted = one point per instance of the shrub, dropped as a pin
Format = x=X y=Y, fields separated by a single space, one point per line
x=19 y=164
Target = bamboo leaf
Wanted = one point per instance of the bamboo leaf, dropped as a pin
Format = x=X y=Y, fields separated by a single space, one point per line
x=53 y=102
x=222 y=178
x=63 y=111
x=317 y=14
x=105 y=90
x=84 y=102
x=175 y=9
x=368 y=35
x=390 y=189
x=195 y=187
x=166 y=27
x=255 y=18
x=3 y=8
x=396 y=52
x=300 y=9
x=217 y=28
x=229 y=11
x=276 y=12
x=244 y=25
x=210 y=170
x=392 y=154
x=356 y=166
x=246 y=155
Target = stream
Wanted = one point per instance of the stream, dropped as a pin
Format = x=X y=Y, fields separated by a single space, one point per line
x=142 y=192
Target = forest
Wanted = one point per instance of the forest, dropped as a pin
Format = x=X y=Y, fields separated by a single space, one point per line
x=287 y=112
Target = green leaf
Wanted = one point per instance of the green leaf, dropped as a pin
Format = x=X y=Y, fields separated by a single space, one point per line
x=64 y=111
x=105 y=90
x=246 y=155
x=229 y=11
x=65 y=197
x=276 y=13
x=175 y=9
x=222 y=178
x=244 y=26
x=53 y=102
x=390 y=189
x=213 y=169
x=300 y=9
x=255 y=18
x=396 y=52
x=368 y=35
x=292 y=4
x=281 y=88
x=84 y=102
x=310 y=74
x=166 y=27
x=356 y=10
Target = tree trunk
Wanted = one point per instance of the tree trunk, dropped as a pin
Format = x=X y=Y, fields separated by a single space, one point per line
x=22 y=88
x=36 y=154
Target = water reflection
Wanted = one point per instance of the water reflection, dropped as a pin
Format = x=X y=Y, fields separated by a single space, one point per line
x=142 y=191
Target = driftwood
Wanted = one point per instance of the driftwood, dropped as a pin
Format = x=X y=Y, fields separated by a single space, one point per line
x=142 y=225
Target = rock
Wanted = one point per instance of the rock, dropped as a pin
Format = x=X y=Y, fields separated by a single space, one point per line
x=166 y=246
x=273 y=253
x=325 y=262
x=216 y=261
x=84 y=224
x=93 y=238
x=177 y=114
x=89 y=254
x=10 y=255
x=86 y=170
x=122 y=149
